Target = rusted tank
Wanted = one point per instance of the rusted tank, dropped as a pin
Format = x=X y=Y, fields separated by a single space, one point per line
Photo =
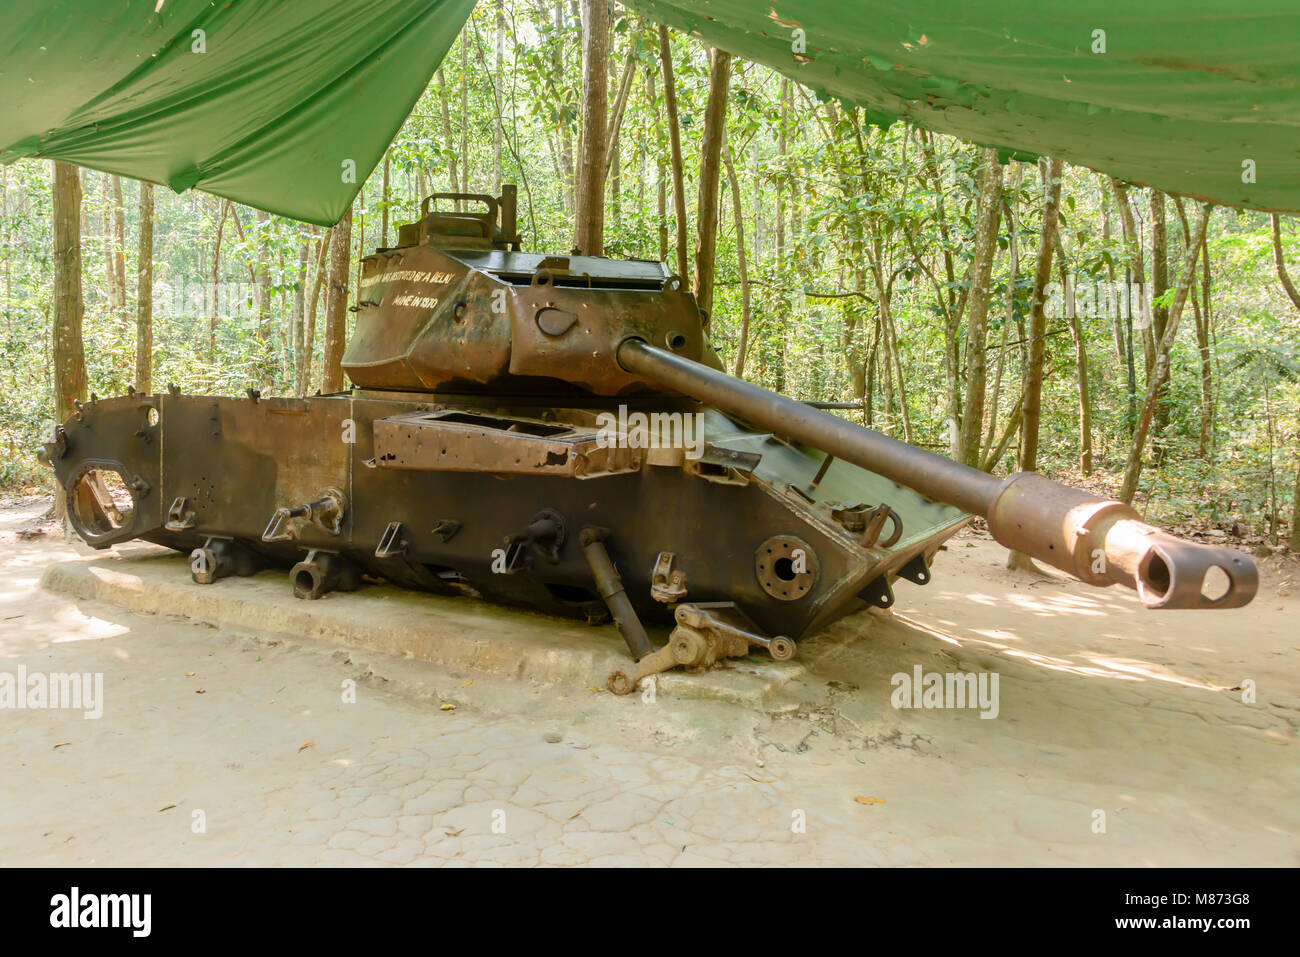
x=556 y=432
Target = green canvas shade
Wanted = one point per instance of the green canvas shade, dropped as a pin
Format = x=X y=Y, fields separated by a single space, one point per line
x=292 y=103
x=288 y=108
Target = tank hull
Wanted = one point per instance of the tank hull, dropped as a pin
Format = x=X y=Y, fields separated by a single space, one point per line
x=468 y=494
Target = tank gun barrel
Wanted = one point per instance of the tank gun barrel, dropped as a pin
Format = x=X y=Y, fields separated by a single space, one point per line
x=1097 y=541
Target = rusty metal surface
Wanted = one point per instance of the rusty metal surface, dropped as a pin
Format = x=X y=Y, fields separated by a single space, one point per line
x=454 y=306
x=469 y=441
x=1102 y=542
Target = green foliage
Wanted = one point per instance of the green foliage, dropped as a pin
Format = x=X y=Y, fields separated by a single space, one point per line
x=859 y=206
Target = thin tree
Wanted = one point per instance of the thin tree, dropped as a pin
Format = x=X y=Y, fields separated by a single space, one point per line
x=144 y=294
x=117 y=249
x=298 y=314
x=739 y=213
x=989 y=184
x=336 y=304
x=1160 y=372
x=706 y=221
x=309 y=319
x=589 y=225
x=214 y=276
x=69 y=353
x=1279 y=260
x=1033 y=395
x=675 y=151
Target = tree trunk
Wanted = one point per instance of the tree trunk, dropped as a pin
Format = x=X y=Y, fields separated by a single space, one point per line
x=464 y=115
x=263 y=287
x=589 y=226
x=739 y=211
x=336 y=304
x=298 y=315
x=1204 y=334
x=1136 y=275
x=675 y=149
x=616 y=117
x=497 y=132
x=715 y=128
x=781 y=149
x=989 y=183
x=1031 y=410
x=1118 y=311
x=1201 y=314
x=566 y=133
x=1085 y=397
x=1279 y=260
x=1129 y=223
x=69 y=353
x=383 y=206
x=1038 y=318
x=144 y=294
x=214 y=303
x=1013 y=273
x=661 y=175
x=309 y=333
x=1160 y=374
x=449 y=143
x=1159 y=314
x=118 y=250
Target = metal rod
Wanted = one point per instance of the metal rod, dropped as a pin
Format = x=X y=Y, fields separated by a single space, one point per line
x=932 y=475
x=610 y=587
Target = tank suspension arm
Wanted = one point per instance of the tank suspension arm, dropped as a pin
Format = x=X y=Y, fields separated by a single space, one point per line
x=1098 y=541
x=610 y=587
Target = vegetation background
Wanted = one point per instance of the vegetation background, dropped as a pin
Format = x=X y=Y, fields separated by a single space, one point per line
x=840 y=262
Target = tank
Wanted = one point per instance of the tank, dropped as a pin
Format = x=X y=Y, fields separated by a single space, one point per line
x=556 y=432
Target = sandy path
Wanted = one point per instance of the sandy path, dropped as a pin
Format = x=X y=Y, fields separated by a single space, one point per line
x=1102 y=707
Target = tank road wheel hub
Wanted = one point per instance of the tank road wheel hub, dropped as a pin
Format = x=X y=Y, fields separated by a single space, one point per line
x=787 y=567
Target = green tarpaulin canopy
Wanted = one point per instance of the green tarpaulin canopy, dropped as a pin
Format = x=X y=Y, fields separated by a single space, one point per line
x=291 y=103
x=288 y=107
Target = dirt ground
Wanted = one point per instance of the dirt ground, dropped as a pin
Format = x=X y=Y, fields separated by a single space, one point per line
x=1121 y=737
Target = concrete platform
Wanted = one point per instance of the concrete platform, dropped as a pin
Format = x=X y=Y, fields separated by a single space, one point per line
x=451 y=632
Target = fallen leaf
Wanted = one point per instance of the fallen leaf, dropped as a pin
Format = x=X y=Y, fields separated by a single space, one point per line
x=455 y=833
x=189 y=674
x=448 y=707
x=468 y=683
x=167 y=808
x=869 y=800
x=200 y=691
x=61 y=744
x=309 y=744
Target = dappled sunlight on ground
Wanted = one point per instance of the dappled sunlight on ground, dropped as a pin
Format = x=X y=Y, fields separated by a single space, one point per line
x=1079 y=630
x=1155 y=672
x=1186 y=772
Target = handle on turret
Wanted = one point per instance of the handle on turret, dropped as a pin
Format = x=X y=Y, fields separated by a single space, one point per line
x=1097 y=541
x=489 y=201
